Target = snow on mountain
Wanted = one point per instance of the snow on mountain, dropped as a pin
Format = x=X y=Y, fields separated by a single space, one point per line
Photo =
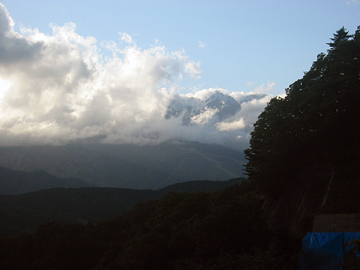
x=209 y=110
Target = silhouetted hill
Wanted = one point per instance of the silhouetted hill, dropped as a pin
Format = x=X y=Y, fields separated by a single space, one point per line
x=199 y=186
x=220 y=230
x=126 y=165
x=24 y=212
x=16 y=182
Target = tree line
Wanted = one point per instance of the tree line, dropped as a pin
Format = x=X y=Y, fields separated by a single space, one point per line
x=317 y=122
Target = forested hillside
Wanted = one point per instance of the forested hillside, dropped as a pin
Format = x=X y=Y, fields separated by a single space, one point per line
x=221 y=230
x=307 y=142
x=24 y=212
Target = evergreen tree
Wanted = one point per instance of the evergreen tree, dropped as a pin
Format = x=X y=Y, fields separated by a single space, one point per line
x=316 y=121
x=340 y=36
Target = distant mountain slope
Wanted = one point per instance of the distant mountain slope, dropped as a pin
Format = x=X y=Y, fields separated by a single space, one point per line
x=16 y=182
x=24 y=212
x=126 y=165
x=199 y=186
x=221 y=106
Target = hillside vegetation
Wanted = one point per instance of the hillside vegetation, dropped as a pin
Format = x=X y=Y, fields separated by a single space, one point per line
x=304 y=151
x=25 y=212
x=316 y=122
x=221 y=230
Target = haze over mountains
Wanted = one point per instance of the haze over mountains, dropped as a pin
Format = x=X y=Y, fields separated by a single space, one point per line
x=17 y=182
x=128 y=165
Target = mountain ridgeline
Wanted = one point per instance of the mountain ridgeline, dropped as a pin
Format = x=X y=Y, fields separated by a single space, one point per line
x=126 y=165
x=25 y=212
x=17 y=182
x=190 y=108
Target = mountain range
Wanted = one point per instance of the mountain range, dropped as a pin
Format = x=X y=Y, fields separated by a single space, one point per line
x=67 y=203
x=17 y=182
x=128 y=165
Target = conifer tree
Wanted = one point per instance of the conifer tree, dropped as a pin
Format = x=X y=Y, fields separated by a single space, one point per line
x=318 y=120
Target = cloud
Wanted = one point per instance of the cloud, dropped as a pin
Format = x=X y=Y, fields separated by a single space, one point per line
x=204 y=117
x=352 y=2
x=265 y=89
x=126 y=37
x=249 y=84
x=4 y=86
x=201 y=44
x=205 y=93
x=59 y=87
x=251 y=109
x=194 y=69
x=226 y=126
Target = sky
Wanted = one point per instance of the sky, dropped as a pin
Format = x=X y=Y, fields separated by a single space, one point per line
x=80 y=69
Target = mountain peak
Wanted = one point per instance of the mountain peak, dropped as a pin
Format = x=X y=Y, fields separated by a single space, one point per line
x=217 y=106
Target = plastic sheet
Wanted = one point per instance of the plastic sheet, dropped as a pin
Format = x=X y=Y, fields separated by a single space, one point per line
x=325 y=251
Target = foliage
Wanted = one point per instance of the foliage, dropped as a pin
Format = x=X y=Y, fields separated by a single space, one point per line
x=24 y=212
x=221 y=230
x=314 y=122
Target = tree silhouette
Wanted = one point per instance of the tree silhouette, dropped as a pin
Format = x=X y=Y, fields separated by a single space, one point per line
x=314 y=122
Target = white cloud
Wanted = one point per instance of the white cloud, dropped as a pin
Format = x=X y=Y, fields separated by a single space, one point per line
x=125 y=37
x=59 y=87
x=201 y=44
x=251 y=109
x=204 y=117
x=4 y=87
x=226 y=126
x=204 y=93
x=193 y=69
x=265 y=89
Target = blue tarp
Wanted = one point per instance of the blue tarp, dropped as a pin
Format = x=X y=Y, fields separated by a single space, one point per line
x=325 y=251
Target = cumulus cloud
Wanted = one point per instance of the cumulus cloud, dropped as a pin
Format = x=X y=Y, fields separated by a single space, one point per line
x=59 y=87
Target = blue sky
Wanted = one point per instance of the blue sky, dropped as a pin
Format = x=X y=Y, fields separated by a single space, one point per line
x=110 y=69
x=240 y=45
